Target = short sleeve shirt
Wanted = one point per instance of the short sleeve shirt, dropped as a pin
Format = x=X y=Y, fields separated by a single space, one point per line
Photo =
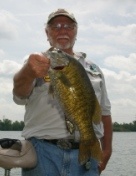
x=44 y=118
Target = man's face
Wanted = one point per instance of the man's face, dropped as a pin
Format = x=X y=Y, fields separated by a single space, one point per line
x=61 y=32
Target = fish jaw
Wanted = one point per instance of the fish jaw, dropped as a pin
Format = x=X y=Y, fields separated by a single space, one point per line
x=58 y=59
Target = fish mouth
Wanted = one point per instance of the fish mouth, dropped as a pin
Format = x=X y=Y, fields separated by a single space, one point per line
x=58 y=67
x=58 y=59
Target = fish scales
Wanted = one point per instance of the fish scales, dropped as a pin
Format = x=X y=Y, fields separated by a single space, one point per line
x=74 y=91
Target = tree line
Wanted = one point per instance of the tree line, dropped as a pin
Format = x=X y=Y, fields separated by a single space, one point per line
x=8 y=125
x=125 y=127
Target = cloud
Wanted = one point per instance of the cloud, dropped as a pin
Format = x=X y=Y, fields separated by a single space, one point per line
x=100 y=39
x=123 y=35
x=8 y=27
x=8 y=67
x=121 y=90
x=121 y=82
x=107 y=33
x=2 y=54
x=7 y=70
x=6 y=87
x=10 y=110
x=122 y=62
x=119 y=109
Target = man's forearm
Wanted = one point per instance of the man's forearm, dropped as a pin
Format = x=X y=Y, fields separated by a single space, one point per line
x=106 y=141
x=23 y=83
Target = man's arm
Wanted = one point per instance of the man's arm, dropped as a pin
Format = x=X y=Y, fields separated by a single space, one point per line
x=106 y=141
x=36 y=67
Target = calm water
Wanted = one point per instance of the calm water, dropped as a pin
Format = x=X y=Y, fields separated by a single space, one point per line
x=122 y=162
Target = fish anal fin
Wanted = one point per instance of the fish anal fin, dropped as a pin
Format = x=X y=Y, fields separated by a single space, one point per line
x=84 y=152
x=96 y=151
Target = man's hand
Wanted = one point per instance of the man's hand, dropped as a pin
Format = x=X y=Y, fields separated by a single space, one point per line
x=37 y=65
x=105 y=159
x=106 y=142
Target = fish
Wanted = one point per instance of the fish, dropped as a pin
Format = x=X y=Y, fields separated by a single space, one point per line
x=70 y=84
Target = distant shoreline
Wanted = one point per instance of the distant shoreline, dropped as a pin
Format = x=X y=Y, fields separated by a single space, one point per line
x=8 y=125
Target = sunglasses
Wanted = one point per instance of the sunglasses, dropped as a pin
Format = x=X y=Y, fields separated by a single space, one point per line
x=58 y=26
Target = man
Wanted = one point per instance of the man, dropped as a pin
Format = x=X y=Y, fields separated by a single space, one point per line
x=44 y=120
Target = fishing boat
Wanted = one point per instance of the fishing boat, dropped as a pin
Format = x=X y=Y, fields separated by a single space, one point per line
x=16 y=153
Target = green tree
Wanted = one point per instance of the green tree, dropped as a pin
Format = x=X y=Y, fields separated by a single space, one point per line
x=6 y=125
x=17 y=126
x=116 y=126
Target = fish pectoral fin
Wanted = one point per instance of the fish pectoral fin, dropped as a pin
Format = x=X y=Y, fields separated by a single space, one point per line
x=70 y=126
x=97 y=113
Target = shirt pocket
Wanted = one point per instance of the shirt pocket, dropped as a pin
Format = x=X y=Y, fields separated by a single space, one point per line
x=96 y=81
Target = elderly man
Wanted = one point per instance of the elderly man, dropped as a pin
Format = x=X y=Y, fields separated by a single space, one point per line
x=45 y=124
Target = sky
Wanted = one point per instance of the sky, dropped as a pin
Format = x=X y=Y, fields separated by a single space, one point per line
x=106 y=33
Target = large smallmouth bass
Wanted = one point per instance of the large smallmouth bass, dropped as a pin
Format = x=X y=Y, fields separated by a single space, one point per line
x=73 y=89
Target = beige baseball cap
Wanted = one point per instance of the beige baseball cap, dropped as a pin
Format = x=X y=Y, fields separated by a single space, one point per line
x=61 y=12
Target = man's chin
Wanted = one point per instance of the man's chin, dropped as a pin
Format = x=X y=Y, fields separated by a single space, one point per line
x=62 y=47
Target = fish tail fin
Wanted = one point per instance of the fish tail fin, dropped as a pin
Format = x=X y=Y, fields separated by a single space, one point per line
x=97 y=112
x=96 y=151
x=89 y=149
x=84 y=152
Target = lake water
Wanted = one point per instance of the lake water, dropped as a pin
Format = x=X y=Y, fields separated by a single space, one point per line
x=122 y=162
